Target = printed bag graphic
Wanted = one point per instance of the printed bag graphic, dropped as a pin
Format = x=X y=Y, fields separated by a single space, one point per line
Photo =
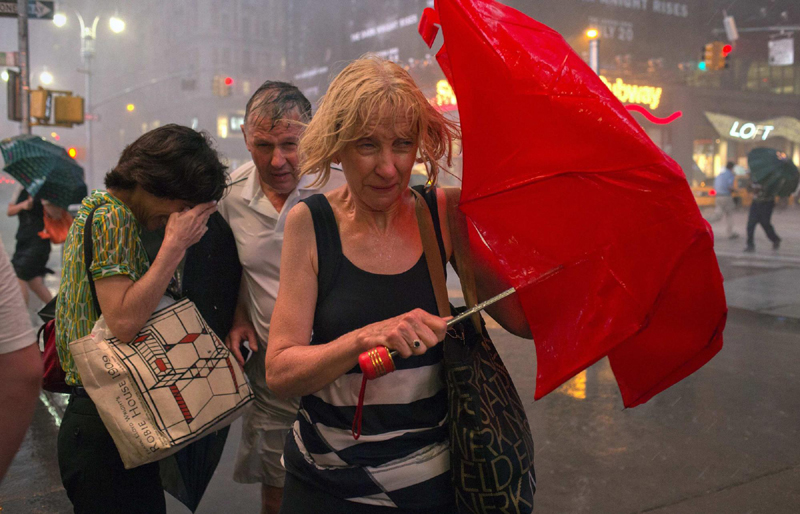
x=175 y=382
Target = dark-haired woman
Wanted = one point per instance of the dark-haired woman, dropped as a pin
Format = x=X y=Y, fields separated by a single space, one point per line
x=170 y=177
x=32 y=252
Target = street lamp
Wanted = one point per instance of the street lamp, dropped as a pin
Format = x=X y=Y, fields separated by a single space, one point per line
x=88 y=38
x=594 y=49
x=46 y=78
x=60 y=19
x=116 y=24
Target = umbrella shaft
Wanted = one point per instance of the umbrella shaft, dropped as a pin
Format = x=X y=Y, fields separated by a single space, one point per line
x=481 y=306
x=473 y=310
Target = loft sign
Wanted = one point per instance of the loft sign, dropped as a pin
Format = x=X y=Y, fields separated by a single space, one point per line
x=750 y=130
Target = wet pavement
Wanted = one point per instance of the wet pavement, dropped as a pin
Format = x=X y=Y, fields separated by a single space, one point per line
x=723 y=440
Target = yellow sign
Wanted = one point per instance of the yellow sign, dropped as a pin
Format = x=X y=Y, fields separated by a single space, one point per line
x=634 y=94
x=445 y=96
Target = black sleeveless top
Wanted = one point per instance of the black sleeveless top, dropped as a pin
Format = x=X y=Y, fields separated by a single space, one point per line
x=30 y=222
x=402 y=458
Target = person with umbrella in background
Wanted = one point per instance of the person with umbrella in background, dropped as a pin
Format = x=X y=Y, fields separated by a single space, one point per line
x=761 y=214
x=773 y=175
x=32 y=251
x=50 y=180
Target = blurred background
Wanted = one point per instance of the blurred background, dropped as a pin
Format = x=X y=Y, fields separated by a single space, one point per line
x=196 y=62
x=723 y=440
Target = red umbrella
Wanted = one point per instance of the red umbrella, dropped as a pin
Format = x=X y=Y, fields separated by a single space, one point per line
x=593 y=224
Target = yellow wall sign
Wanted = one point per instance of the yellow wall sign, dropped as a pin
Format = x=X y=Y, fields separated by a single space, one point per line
x=445 y=96
x=634 y=94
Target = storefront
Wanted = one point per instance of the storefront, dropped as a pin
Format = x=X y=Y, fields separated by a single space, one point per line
x=721 y=125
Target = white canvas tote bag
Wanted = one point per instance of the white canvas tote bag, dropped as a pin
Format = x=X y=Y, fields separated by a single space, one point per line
x=172 y=384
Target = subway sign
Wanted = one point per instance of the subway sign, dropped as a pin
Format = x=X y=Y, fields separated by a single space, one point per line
x=634 y=93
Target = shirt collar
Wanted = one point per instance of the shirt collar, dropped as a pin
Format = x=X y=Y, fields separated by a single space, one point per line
x=255 y=198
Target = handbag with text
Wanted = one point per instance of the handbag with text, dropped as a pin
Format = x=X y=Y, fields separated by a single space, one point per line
x=172 y=384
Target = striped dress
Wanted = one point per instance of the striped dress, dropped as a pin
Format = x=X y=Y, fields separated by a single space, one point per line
x=402 y=458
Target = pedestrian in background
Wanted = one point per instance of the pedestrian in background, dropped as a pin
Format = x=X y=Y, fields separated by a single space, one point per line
x=265 y=190
x=761 y=214
x=172 y=177
x=32 y=252
x=20 y=366
x=724 y=186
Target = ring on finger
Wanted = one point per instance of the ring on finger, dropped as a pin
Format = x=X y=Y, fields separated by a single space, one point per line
x=416 y=343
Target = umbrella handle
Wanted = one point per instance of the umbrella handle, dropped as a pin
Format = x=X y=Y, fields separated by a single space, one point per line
x=380 y=360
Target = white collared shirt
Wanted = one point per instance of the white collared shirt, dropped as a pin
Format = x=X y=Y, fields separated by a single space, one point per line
x=258 y=229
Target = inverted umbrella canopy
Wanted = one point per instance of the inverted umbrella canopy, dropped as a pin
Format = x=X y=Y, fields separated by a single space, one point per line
x=773 y=170
x=44 y=169
x=594 y=225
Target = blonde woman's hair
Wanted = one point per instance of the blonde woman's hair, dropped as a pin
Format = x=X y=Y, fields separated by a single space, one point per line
x=368 y=90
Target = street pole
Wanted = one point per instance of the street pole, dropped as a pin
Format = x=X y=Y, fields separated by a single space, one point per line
x=594 y=55
x=87 y=64
x=88 y=37
x=24 y=64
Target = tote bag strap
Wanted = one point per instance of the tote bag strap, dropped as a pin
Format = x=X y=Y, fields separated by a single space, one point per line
x=88 y=255
x=432 y=255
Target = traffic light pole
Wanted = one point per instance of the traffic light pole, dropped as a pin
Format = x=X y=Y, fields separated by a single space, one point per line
x=89 y=175
x=88 y=37
x=24 y=62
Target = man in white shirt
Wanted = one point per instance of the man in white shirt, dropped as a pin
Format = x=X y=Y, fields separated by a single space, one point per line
x=20 y=365
x=256 y=210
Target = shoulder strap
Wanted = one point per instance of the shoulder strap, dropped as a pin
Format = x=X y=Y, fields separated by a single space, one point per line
x=432 y=200
x=88 y=256
x=329 y=244
x=432 y=255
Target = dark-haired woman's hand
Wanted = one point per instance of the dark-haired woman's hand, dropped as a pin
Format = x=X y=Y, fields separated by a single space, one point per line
x=187 y=228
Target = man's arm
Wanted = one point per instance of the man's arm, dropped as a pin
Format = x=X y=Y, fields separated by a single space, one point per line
x=21 y=376
x=242 y=329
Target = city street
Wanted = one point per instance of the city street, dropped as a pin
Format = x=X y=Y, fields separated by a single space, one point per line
x=723 y=440
x=584 y=134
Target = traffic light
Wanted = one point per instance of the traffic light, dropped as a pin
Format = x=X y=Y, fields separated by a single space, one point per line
x=77 y=152
x=68 y=110
x=41 y=104
x=708 y=57
x=715 y=56
x=221 y=85
x=726 y=51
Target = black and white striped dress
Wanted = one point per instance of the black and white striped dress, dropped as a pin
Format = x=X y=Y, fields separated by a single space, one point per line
x=402 y=458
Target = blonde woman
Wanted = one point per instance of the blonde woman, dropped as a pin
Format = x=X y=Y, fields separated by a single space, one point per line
x=354 y=276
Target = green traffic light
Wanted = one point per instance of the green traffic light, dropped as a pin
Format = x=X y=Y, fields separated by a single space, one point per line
x=701 y=66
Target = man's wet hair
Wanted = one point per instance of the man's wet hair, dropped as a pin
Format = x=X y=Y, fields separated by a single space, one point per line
x=273 y=100
x=173 y=162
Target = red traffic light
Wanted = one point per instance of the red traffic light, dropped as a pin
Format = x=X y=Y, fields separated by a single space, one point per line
x=228 y=81
x=727 y=49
